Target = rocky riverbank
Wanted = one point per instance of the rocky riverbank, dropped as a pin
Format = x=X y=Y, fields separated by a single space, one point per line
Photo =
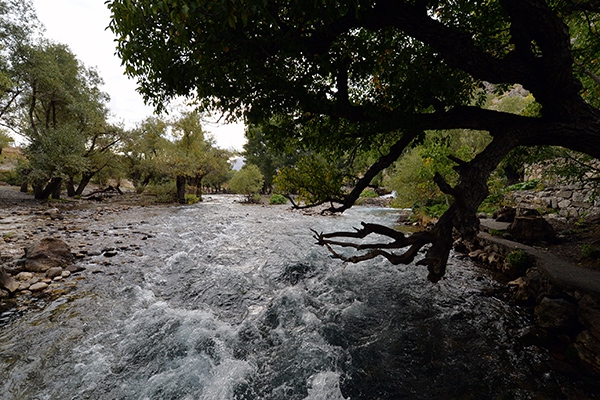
x=87 y=236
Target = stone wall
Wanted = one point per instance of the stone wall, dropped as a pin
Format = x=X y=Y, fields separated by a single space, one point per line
x=570 y=201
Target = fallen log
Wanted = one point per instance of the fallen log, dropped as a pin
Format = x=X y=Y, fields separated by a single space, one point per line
x=108 y=191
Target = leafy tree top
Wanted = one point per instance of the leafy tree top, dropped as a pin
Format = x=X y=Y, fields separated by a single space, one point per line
x=377 y=74
x=388 y=65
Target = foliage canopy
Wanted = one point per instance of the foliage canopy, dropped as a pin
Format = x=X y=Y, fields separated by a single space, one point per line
x=377 y=74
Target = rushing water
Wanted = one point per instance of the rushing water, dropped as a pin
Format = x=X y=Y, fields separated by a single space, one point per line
x=227 y=301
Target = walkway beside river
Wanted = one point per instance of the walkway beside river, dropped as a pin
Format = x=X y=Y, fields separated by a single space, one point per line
x=560 y=272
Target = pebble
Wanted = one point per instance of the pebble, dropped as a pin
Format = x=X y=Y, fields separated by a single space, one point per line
x=54 y=272
x=38 y=286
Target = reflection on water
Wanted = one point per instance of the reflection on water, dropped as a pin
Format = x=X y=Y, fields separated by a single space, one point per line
x=231 y=301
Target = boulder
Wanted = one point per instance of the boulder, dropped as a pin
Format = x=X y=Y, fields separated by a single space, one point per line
x=589 y=315
x=45 y=254
x=555 y=314
x=504 y=214
x=531 y=229
x=7 y=282
x=588 y=350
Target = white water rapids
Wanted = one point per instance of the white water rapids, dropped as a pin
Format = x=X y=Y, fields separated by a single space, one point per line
x=230 y=301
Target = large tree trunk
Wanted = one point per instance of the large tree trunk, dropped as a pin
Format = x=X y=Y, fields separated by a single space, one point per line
x=42 y=193
x=70 y=185
x=198 y=183
x=56 y=189
x=181 y=182
x=85 y=180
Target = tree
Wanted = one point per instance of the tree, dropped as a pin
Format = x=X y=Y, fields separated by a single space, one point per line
x=5 y=140
x=379 y=73
x=248 y=181
x=64 y=118
x=314 y=178
x=267 y=154
x=192 y=156
x=18 y=25
x=140 y=149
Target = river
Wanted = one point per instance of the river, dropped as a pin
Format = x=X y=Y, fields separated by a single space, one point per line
x=221 y=300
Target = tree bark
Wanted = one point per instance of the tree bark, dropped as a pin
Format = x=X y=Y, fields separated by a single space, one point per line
x=70 y=185
x=42 y=193
x=181 y=183
x=86 y=177
x=56 y=189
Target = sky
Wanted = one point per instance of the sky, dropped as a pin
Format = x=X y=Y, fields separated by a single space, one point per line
x=81 y=25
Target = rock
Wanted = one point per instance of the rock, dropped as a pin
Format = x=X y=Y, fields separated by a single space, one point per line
x=476 y=254
x=4 y=294
x=555 y=314
x=588 y=350
x=565 y=194
x=527 y=212
x=110 y=254
x=45 y=254
x=7 y=282
x=36 y=287
x=65 y=274
x=589 y=315
x=24 y=276
x=504 y=214
x=531 y=229
x=494 y=260
x=74 y=268
x=17 y=267
x=54 y=272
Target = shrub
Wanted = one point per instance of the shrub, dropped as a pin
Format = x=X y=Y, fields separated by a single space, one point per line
x=369 y=193
x=277 y=199
x=518 y=259
x=255 y=198
x=191 y=199
x=164 y=192
x=248 y=181
x=529 y=185
x=12 y=177
x=590 y=252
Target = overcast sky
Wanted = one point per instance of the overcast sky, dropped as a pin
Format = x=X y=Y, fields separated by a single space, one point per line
x=81 y=24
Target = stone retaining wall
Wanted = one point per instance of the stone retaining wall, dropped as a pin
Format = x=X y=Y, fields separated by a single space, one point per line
x=570 y=201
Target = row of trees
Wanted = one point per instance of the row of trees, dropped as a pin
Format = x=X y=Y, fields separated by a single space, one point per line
x=48 y=97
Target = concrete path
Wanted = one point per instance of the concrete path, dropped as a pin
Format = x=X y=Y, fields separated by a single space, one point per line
x=560 y=272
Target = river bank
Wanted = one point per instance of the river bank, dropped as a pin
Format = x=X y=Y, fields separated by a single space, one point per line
x=92 y=230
